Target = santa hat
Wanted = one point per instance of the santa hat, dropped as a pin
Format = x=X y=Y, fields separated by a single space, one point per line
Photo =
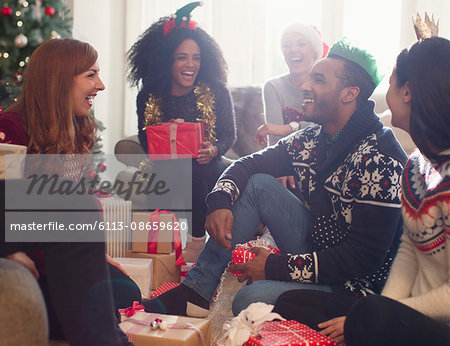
x=311 y=34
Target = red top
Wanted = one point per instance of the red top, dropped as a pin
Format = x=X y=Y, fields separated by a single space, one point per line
x=12 y=129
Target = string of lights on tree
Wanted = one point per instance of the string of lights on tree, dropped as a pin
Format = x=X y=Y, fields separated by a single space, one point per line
x=24 y=25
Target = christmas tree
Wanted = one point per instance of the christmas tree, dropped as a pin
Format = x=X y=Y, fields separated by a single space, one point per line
x=24 y=25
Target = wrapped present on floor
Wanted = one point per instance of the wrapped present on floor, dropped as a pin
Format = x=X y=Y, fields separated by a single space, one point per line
x=141 y=271
x=284 y=333
x=131 y=311
x=175 y=140
x=145 y=329
x=164 y=267
x=157 y=232
x=241 y=253
x=166 y=286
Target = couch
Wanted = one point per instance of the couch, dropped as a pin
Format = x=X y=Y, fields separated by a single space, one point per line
x=24 y=316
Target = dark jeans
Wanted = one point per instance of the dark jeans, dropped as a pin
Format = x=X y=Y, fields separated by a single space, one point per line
x=77 y=277
x=377 y=320
x=124 y=291
x=313 y=307
x=263 y=200
x=204 y=178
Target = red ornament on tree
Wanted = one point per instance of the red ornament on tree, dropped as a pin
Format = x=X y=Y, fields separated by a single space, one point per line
x=7 y=11
x=50 y=11
x=18 y=77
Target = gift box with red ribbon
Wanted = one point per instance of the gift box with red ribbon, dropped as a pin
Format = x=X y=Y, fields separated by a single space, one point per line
x=242 y=254
x=157 y=232
x=283 y=333
x=175 y=140
x=130 y=311
x=165 y=267
x=144 y=329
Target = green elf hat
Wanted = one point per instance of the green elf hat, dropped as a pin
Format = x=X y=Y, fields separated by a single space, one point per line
x=182 y=18
x=346 y=50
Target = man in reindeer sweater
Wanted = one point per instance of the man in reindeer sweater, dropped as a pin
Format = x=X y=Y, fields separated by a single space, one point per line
x=341 y=232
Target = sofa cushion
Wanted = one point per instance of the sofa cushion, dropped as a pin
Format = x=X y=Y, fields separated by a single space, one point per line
x=126 y=150
x=24 y=316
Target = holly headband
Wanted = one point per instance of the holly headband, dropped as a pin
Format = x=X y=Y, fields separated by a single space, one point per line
x=182 y=18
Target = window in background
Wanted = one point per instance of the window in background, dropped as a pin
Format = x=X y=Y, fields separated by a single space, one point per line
x=248 y=32
x=378 y=29
x=280 y=14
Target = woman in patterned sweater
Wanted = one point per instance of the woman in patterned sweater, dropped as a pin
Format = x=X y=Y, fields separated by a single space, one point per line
x=414 y=307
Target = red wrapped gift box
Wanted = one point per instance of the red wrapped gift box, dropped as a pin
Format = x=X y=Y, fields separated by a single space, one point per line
x=174 y=141
x=283 y=333
x=242 y=255
x=166 y=286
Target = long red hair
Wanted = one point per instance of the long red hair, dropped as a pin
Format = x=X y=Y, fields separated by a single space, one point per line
x=45 y=103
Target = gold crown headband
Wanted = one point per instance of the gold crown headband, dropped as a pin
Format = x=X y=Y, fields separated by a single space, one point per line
x=425 y=28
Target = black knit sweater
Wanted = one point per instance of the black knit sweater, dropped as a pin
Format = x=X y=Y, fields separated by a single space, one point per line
x=185 y=107
x=353 y=194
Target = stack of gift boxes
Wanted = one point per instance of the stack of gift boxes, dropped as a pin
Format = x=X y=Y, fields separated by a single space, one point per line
x=155 y=262
x=155 y=257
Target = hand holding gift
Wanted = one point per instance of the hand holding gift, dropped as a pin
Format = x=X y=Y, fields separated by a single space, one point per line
x=207 y=153
x=175 y=139
x=248 y=261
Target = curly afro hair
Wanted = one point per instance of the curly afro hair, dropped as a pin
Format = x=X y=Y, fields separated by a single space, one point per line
x=150 y=59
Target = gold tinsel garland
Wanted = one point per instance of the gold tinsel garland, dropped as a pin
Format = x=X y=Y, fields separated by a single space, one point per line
x=205 y=105
x=152 y=113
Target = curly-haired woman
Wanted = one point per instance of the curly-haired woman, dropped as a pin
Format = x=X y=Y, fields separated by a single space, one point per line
x=174 y=67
